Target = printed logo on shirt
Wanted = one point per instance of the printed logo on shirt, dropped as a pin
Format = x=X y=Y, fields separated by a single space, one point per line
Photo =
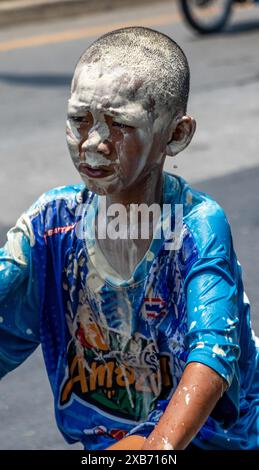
x=122 y=377
x=154 y=307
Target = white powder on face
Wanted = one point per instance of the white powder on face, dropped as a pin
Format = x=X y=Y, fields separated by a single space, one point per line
x=96 y=84
x=73 y=142
x=102 y=185
x=149 y=64
x=95 y=160
x=102 y=88
x=98 y=134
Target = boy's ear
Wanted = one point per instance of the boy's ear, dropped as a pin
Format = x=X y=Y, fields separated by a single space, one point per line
x=181 y=135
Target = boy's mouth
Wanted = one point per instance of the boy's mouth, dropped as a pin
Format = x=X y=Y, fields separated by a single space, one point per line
x=98 y=172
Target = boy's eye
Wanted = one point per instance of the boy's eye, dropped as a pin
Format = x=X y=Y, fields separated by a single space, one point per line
x=80 y=119
x=120 y=125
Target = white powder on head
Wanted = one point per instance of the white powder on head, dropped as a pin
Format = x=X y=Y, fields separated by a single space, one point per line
x=154 y=59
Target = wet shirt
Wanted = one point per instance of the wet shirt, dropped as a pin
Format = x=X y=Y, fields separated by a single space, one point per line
x=115 y=349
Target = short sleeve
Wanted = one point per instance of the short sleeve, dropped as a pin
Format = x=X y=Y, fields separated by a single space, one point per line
x=19 y=334
x=211 y=291
x=212 y=317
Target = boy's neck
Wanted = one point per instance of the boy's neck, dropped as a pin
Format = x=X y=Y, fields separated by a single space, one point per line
x=124 y=254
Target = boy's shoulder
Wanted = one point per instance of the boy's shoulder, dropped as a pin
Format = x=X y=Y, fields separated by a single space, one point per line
x=56 y=211
x=195 y=203
x=204 y=220
x=69 y=196
x=202 y=207
x=208 y=224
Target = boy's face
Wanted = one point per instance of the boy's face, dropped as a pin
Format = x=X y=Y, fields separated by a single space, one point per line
x=114 y=138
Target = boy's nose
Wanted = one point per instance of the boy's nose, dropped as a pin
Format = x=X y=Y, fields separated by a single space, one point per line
x=97 y=139
x=95 y=143
x=105 y=148
x=93 y=140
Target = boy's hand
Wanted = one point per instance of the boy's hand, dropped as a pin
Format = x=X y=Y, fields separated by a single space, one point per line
x=129 y=443
x=194 y=399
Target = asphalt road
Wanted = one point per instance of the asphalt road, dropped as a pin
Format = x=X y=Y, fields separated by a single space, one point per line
x=222 y=160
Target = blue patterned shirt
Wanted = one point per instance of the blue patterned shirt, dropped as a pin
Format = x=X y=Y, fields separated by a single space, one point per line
x=115 y=349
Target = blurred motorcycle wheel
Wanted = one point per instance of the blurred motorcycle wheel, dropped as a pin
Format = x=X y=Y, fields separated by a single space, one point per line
x=206 y=16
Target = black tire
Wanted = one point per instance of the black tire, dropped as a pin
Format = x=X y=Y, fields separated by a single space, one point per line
x=201 y=27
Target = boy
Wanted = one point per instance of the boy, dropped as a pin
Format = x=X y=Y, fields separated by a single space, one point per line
x=146 y=339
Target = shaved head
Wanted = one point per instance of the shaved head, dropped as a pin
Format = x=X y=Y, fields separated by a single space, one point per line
x=157 y=65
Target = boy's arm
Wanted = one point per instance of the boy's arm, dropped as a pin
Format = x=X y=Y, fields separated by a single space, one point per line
x=18 y=311
x=193 y=401
x=214 y=293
